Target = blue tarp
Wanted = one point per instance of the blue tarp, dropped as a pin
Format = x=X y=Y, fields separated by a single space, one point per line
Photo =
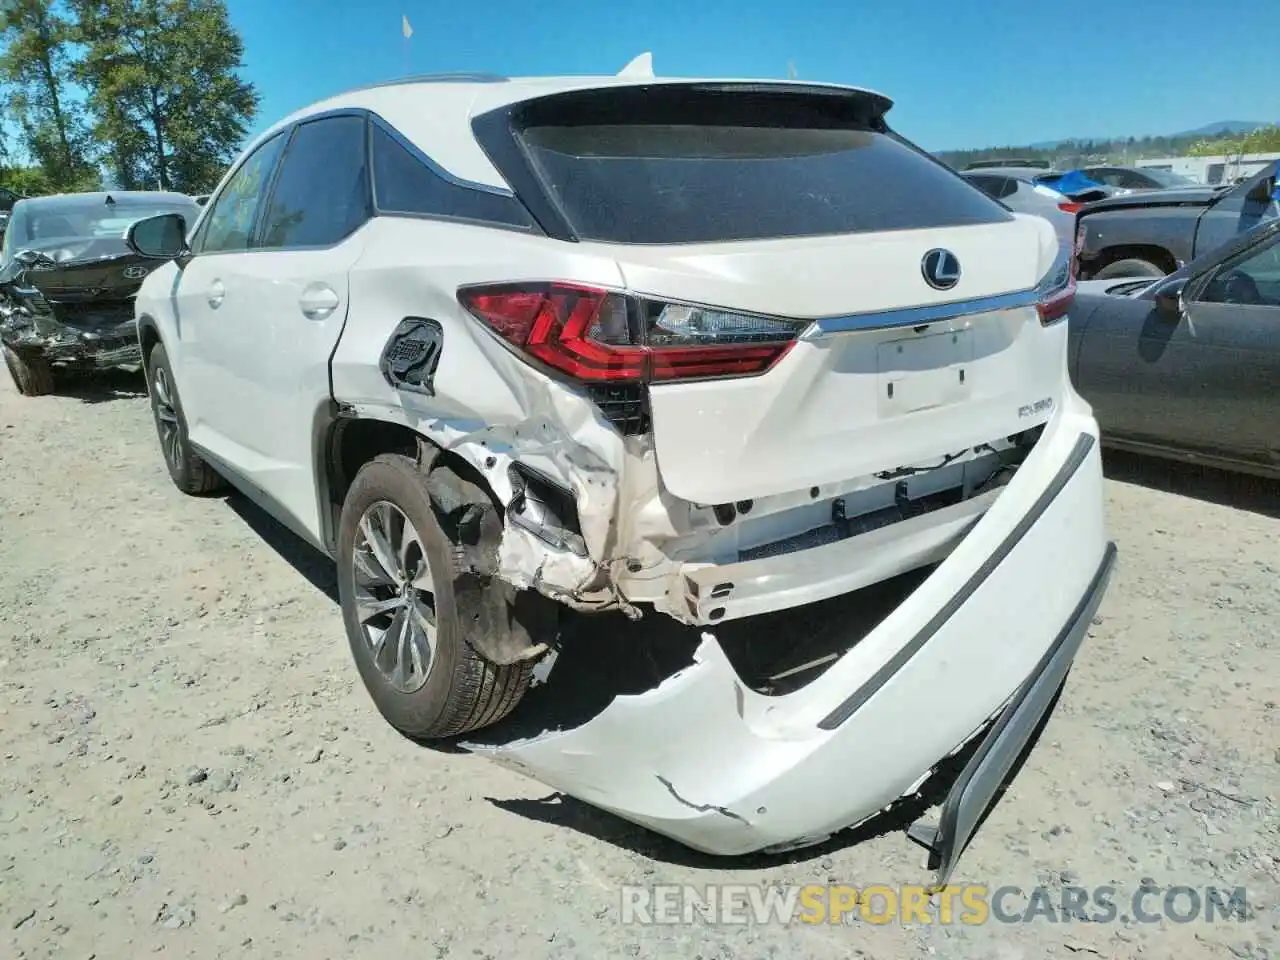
x=1073 y=181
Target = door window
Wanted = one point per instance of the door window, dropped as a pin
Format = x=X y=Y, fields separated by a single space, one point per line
x=229 y=224
x=1253 y=279
x=322 y=194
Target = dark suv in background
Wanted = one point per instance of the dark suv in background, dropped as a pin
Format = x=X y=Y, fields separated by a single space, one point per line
x=1152 y=233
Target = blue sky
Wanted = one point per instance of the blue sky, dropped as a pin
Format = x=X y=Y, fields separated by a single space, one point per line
x=963 y=74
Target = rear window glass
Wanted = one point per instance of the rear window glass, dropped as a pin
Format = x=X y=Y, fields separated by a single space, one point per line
x=690 y=183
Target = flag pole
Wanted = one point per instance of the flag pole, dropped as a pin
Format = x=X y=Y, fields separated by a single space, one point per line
x=406 y=29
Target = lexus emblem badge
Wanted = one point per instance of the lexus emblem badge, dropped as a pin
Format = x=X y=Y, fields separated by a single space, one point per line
x=941 y=269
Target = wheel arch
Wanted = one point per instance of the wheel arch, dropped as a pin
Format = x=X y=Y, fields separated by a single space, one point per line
x=148 y=335
x=1151 y=252
x=348 y=440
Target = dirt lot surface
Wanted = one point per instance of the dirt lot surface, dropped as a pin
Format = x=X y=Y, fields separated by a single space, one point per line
x=191 y=767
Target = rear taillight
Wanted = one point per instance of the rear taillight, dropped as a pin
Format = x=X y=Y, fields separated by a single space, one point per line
x=1068 y=206
x=601 y=336
x=1057 y=288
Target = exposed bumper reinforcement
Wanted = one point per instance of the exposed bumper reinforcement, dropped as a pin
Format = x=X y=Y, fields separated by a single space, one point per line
x=720 y=593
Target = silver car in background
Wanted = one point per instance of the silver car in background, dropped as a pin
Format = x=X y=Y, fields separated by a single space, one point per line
x=1016 y=188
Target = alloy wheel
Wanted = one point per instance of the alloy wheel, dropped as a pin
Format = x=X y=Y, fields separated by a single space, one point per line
x=394 y=595
x=166 y=417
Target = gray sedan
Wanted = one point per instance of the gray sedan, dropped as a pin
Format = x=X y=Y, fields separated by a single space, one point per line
x=1188 y=366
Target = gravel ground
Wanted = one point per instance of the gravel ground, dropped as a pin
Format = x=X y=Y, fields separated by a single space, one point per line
x=191 y=766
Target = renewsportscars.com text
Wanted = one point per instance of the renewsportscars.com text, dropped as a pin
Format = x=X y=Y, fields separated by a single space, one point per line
x=970 y=904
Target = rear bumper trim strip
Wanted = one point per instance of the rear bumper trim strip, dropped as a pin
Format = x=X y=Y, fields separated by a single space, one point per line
x=988 y=769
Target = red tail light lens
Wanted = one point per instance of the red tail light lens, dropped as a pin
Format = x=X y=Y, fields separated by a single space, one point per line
x=1057 y=289
x=597 y=335
x=1066 y=206
x=562 y=326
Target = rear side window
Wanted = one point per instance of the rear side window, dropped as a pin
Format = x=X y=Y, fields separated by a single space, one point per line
x=997 y=188
x=406 y=184
x=322 y=193
x=652 y=183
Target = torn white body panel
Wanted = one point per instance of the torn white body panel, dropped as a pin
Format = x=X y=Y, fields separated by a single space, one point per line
x=528 y=563
x=726 y=770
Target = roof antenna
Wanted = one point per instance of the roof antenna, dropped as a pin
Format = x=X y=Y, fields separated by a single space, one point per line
x=641 y=66
x=110 y=199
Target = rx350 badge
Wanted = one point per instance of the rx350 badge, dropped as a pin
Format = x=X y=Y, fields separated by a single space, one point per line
x=1032 y=409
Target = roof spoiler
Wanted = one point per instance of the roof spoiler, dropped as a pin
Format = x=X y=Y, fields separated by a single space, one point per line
x=641 y=66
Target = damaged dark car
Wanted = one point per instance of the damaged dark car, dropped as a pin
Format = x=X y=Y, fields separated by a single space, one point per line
x=68 y=281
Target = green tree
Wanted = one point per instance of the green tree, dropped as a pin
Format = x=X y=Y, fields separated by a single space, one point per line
x=27 y=181
x=36 y=68
x=1263 y=140
x=164 y=89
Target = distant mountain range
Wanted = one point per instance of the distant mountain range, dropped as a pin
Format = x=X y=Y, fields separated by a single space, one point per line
x=1216 y=129
x=1224 y=126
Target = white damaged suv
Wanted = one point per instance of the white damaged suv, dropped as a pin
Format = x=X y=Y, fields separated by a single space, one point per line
x=683 y=349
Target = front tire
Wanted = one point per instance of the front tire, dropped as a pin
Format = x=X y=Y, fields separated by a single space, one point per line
x=396 y=573
x=33 y=376
x=1135 y=267
x=189 y=472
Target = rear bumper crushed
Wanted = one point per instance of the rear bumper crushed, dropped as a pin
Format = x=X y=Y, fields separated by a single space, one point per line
x=712 y=763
